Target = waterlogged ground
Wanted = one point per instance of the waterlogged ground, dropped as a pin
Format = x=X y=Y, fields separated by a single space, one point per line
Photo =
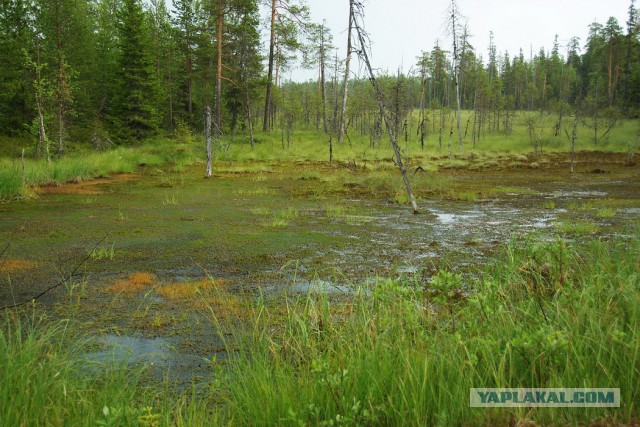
x=161 y=261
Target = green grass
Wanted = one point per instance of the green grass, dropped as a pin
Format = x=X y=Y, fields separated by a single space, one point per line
x=545 y=315
x=337 y=211
x=11 y=184
x=397 y=352
x=107 y=253
x=90 y=164
x=43 y=382
x=495 y=150
x=606 y=213
x=576 y=227
x=262 y=211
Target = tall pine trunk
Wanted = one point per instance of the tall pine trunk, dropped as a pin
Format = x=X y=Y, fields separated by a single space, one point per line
x=383 y=114
x=272 y=42
x=218 y=112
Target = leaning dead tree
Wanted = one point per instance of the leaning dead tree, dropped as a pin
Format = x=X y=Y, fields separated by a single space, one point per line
x=358 y=16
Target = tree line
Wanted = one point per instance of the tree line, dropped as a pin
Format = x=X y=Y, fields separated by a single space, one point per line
x=120 y=71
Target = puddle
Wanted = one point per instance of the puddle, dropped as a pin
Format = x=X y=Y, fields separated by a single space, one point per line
x=318 y=286
x=158 y=355
x=128 y=349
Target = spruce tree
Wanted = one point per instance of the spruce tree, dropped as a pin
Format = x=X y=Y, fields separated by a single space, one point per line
x=16 y=39
x=136 y=114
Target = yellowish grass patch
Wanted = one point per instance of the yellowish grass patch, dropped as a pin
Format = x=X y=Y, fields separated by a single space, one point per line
x=9 y=265
x=181 y=291
x=133 y=283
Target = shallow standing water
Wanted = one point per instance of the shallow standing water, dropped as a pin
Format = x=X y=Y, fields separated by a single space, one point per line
x=255 y=233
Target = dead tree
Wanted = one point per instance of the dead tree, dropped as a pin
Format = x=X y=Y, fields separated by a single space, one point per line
x=207 y=132
x=362 y=53
x=455 y=17
x=345 y=94
x=423 y=83
x=573 y=140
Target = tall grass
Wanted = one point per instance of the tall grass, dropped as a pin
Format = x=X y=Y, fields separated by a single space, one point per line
x=309 y=145
x=15 y=183
x=545 y=315
x=43 y=381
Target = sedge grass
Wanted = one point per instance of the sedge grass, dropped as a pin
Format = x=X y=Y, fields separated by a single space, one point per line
x=43 y=383
x=16 y=181
x=545 y=315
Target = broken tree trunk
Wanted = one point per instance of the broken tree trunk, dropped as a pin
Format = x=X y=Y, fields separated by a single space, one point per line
x=573 y=141
x=207 y=131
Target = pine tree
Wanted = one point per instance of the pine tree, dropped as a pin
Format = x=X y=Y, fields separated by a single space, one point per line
x=67 y=49
x=243 y=60
x=287 y=17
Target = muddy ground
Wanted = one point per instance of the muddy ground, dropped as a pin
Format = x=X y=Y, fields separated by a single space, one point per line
x=152 y=267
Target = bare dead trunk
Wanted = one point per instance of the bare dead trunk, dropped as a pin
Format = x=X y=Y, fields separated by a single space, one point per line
x=250 y=120
x=323 y=94
x=207 y=131
x=421 y=115
x=345 y=94
x=456 y=69
x=24 y=176
x=573 y=140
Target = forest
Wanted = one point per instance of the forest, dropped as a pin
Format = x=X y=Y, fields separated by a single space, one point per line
x=189 y=238
x=119 y=71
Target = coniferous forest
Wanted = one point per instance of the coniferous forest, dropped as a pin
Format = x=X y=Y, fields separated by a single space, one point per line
x=124 y=70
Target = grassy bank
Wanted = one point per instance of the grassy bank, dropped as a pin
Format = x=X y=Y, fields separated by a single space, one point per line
x=528 y=133
x=400 y=352
x=17 y=180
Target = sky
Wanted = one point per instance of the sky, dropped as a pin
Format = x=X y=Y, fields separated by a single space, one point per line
x=401 y=29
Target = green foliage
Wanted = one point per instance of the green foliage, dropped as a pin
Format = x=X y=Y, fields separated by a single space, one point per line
x=577 y=227
x=11 y=185
x=137 y=70
x=106 y=253
x=83 y=166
